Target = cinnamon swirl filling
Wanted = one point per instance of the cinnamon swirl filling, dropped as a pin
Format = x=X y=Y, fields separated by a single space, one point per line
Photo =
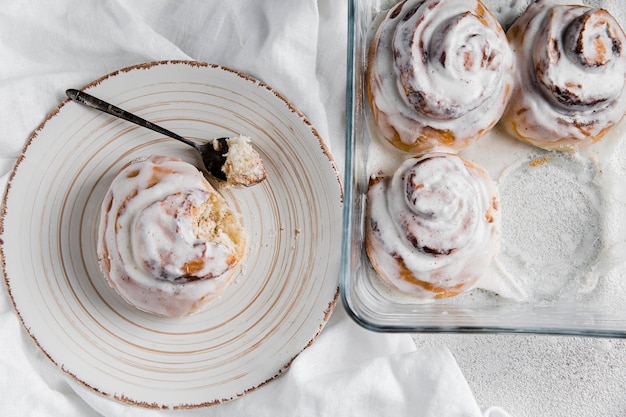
x=571 y=74
x=433 y=227
x=439 y=74
x=168 y=241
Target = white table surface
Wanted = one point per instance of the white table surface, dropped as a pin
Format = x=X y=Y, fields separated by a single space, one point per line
x=537 y=375
x=526 y=375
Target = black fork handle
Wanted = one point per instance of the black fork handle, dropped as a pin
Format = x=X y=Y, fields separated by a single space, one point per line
x=99 y=104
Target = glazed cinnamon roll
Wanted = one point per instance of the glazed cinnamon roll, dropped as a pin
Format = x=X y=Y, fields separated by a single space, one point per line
x=433 y=227
x=439 y=74
x=167 y=241
x=570 y=79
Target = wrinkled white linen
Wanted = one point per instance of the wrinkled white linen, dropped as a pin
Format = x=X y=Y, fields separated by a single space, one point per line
x=297 y=47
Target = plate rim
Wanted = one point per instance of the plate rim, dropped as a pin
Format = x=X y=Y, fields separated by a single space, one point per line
x=120 y=397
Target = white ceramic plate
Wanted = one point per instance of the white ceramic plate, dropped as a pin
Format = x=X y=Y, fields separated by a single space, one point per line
x=275 y=307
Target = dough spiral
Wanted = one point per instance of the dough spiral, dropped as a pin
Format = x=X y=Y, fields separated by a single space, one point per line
x=439 y=74
x=168 y=241
x=570 y=78
x=433 y=227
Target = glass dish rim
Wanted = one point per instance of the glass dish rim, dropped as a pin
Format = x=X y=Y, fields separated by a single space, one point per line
x=348 y=219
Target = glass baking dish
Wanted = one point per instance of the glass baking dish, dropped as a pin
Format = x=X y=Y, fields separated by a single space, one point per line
x=595 y=305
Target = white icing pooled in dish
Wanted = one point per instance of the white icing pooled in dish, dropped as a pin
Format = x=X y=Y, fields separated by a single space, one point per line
x=552 y=221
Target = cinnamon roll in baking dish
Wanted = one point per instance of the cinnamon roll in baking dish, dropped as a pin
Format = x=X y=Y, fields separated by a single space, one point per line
x=570 y=77
x=168 y=242
x=433 y=227
x=439 y=74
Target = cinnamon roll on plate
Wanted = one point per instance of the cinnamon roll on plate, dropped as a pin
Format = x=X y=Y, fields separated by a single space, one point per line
x=168 y=242
x=439 y=74
x=433 y=227
x=570 y=78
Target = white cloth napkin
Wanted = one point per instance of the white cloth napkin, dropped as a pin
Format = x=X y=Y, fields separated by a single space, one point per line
x=297 y=47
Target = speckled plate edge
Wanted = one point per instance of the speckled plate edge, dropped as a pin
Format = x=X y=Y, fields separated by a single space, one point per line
x=3 y=242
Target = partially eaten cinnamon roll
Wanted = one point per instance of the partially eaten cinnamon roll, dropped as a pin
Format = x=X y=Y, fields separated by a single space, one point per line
x=168 y=242
x=439 y=74
x=432 y=228
x=570 y=78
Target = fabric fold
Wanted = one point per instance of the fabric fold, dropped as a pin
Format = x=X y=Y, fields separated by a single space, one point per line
x=348 y=371
x=298 y=48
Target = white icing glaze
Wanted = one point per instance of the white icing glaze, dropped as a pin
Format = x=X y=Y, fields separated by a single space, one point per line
x=433 y=227
x=570 y=78
x=149 y=245
x=163 y=239
x=440 y=73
